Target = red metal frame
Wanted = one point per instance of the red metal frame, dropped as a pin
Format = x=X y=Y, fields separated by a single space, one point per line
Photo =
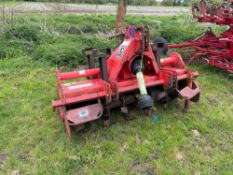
x=214 y=50
x=121 y=80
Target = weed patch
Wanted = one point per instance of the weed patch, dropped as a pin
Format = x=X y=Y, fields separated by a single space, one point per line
x=28 y=33
x=67 y=51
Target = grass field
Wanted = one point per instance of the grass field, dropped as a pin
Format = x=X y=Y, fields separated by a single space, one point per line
x=33 y=140
x=10 y=3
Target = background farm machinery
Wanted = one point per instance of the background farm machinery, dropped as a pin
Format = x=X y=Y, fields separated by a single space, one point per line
x=209 y=48
x=132 y=73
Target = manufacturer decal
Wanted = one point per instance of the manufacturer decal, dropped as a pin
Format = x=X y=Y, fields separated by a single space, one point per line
x=83 y=113
x=122 y=49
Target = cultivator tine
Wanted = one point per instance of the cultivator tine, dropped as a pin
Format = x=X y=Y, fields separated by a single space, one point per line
x=67 y=126
x=106 y=116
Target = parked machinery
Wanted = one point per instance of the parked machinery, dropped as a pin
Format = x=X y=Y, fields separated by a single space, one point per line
x=133 y=72
x=209 y=48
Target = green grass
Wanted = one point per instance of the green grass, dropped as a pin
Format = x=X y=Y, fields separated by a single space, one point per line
x=10 y=3
x=33 y=139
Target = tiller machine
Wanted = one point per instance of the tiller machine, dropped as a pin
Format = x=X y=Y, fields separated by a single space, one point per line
x=132 y=73
x=209 y=48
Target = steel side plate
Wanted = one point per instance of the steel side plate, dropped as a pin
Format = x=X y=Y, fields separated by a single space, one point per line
x=84 y=114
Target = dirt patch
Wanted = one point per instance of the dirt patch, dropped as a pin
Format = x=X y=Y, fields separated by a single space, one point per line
x=155 y=156
x=15 y=172
x=142 y=168
x=200 y=114
x=180 y=155
x=2 y=159
x=212 y=100
x=195 y=133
